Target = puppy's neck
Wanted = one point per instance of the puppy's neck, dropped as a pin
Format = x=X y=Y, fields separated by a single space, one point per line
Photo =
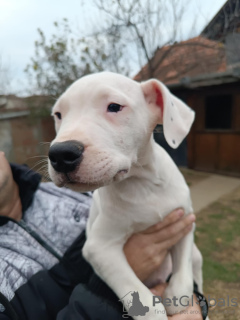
x=149 y=170
x=147 y=155
x=149 y=163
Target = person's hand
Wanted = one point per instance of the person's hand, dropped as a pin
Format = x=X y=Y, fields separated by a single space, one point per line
x=146 y=250
x=193 y=312
x=10 y=202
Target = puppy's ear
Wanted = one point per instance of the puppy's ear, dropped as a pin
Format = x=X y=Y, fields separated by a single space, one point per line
x=170 y=111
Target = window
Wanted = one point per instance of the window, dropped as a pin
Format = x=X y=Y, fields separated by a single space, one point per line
x=218 y=112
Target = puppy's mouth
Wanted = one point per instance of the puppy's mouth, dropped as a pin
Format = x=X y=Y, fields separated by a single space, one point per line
x=76 y=184
x=120 y=175
x=72 y=180
x=123 y=171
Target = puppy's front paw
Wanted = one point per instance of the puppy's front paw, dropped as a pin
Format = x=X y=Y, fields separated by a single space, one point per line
x=177 y=299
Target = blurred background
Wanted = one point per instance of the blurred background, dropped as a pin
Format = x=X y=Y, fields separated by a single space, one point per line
x=192 y=46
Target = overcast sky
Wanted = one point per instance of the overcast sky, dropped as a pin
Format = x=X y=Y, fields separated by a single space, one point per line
x=19 y=20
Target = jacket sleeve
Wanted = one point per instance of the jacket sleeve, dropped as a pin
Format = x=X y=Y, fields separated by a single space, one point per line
x=93 y=301
x=48 y=291
x=7 y=312
x=4 y=317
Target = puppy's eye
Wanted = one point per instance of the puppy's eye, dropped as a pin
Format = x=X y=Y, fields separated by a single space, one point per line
x=58 y=115
x=114 y=107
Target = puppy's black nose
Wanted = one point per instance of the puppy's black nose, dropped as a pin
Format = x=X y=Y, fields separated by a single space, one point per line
x=66 y=156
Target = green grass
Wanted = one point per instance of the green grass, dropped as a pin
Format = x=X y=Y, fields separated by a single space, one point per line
x=218 y=227
x=214 y=270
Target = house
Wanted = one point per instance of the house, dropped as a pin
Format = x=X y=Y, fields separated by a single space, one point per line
x=205 y=73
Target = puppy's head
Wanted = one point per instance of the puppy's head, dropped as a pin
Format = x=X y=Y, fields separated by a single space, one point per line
x=104 y=122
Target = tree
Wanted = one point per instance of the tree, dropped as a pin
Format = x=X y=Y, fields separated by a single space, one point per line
x=145 y=25
x=66 y=57
x=124 y=39
x=154 y=30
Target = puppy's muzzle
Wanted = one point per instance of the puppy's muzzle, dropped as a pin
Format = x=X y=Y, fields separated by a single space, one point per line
x=66 y=156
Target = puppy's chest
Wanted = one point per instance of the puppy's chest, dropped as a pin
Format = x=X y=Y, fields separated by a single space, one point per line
x=146 y=211
x=140 y=206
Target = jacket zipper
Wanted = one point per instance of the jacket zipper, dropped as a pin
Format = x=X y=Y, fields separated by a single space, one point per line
x=33 y=234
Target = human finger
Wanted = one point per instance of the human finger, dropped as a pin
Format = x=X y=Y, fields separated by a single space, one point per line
x=173 y=230
x=168 y=220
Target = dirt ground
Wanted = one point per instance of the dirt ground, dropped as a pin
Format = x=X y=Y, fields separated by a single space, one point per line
x=227 y=296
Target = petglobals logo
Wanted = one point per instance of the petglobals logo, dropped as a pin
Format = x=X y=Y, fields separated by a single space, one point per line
x=185 y=302
x=132 y=305
x=221 y=302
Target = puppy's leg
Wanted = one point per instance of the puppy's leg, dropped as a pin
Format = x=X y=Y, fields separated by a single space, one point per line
x=197 y=267
x=180 y=287
x=111 y=266
x=106 y=255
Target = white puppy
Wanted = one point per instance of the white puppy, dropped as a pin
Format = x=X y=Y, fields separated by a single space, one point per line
x=104 y=141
